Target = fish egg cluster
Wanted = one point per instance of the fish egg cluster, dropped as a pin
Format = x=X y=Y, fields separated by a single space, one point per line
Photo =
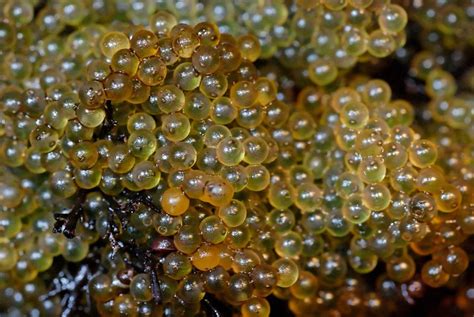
x=221 y=158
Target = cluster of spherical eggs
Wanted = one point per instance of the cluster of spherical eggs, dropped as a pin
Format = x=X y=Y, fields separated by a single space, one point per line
x=444 y=31
x=393 y=202
x=444 y=24
x=451 y=110
x=66 y=139
x=33 y=57
x=28 y=246
x=194 y=132
x=315 y=40
x=257 y=196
